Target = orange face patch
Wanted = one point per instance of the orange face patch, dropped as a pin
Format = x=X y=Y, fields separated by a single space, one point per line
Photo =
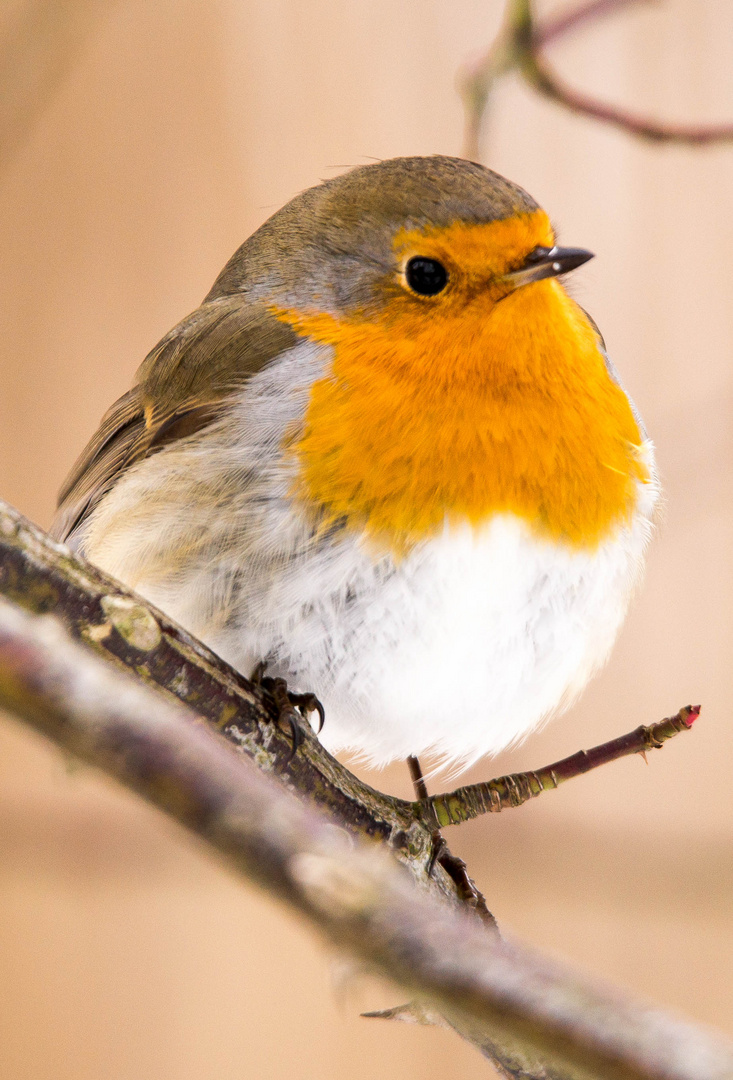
x=477 y=401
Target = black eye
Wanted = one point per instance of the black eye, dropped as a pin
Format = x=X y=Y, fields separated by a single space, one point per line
x=426 y=276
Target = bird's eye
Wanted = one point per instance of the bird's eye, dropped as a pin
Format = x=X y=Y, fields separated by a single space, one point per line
x=426 y=277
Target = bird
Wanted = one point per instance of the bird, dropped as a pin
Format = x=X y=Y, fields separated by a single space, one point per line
x=388 y=457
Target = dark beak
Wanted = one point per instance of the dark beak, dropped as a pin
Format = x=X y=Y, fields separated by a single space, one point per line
x=547 y=262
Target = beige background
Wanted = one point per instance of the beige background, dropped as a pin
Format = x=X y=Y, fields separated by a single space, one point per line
x=144 y=142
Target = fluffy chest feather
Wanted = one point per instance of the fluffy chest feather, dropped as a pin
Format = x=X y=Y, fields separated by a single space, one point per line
x=459 y=649
x=461 y=415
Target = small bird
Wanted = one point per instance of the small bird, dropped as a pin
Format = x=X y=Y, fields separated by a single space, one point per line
x=389 y=457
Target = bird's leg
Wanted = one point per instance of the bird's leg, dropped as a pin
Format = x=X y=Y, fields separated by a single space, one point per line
x=418 y=780
x=291 y=706
x=454 y=867
x=440 y=848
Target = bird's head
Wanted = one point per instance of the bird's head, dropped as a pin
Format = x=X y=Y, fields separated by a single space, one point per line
x=464 y=380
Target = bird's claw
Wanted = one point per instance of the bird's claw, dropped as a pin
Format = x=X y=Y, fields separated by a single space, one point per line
x=457 y=871
x=287 y=715
x=308 y=703
x=438 y=851
x=291 y=706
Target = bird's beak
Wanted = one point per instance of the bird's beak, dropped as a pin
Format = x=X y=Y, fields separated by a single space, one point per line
x=545 y=263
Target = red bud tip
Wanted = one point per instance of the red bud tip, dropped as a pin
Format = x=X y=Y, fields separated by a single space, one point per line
x=692 y=711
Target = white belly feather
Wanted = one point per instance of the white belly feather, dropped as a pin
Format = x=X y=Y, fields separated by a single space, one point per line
x=458 y=649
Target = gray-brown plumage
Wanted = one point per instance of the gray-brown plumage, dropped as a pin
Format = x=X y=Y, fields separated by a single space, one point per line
x=181 y=385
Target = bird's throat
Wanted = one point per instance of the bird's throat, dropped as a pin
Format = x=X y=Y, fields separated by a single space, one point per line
x=507 y=408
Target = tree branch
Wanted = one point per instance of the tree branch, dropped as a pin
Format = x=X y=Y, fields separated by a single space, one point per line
x=518 y=47
x=82 y=699
x=506 y=792
x=519 y=1007
x=556 y=26
x=43 y=576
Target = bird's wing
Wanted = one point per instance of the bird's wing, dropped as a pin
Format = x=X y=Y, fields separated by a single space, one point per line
x=181 y=386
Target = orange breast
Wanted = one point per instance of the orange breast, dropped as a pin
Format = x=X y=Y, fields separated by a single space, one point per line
x=461 y=414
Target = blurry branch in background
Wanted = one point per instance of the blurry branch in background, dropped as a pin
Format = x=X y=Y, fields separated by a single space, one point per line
x=39 y=42
x=150 y=705
x=519 y=48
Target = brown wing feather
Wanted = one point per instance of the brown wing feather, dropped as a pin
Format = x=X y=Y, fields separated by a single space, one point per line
x=106 y=456
x=182 y=384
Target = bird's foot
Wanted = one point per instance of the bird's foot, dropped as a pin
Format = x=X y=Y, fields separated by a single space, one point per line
x=291 y=707
x=454 y=866
x=457 y=871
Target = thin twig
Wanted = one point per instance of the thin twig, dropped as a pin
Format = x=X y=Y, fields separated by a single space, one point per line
x=556 y=26
x=539 y=74
x=495 y=993
x=518 y=47
x=492 y=796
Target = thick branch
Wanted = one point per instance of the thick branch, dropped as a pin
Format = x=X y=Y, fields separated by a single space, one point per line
x=518 y=47
x=360 y=898
x=42 y=576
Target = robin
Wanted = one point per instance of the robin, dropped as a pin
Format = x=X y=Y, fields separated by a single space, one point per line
x=388 y=456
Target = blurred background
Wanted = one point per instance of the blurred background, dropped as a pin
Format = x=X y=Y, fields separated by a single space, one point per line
x=139 y=145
